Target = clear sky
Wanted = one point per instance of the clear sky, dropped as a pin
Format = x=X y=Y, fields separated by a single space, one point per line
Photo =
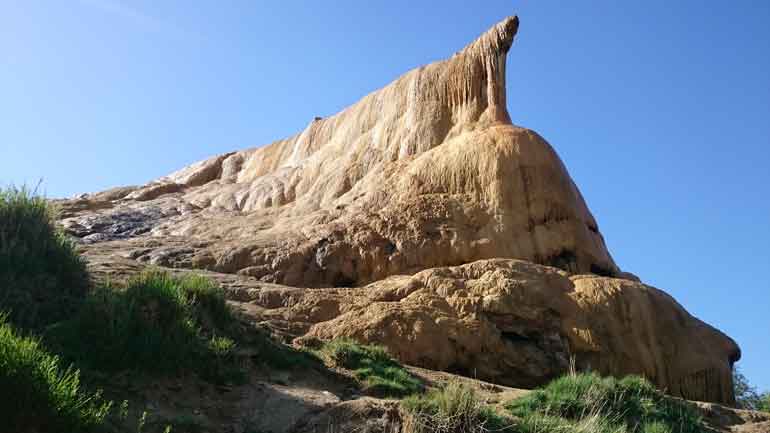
x=659 y=109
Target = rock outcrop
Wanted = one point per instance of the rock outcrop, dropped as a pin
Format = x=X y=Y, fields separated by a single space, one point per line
x=428 y=171
x=422 y=219
x=514 y=323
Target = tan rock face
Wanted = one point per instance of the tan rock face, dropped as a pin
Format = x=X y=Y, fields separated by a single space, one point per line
x=427 y=171
x=418 y=177
x=518 y=324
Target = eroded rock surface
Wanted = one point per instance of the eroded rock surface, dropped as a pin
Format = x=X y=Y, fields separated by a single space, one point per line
x=514 y=323
x=428 y=171
x=405 y=212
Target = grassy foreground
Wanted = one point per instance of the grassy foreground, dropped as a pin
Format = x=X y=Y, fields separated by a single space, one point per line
x=39 y=395
x=453 y=408
x=371 y=365
x=581 y=403
x=631 y=404
x=53 y=325
x=156 y=324
x=42 y=278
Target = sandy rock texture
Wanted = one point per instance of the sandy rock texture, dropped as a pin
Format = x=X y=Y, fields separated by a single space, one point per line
x=422 y=219
x=514 y=323
x=427 y=171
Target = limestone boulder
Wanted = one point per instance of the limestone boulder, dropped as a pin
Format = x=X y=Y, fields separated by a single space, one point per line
x=518 y=324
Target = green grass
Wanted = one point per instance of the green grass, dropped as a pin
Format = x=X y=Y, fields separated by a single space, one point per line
x=157 y=324
x=38 y=395
x=595 y=423
x=453 y=408
x=764 y=402
x=42 y=278
x=631 y=404
x=372 y=366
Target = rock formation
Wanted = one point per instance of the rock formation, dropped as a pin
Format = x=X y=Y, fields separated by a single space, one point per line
x=426 y=176
x=428 y=171
x=518 y=324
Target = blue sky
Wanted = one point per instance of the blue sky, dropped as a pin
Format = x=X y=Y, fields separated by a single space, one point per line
x=660 y=110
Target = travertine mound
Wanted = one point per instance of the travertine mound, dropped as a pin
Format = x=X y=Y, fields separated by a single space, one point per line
x=515 y=323
x=419 y=177
x=428 y=171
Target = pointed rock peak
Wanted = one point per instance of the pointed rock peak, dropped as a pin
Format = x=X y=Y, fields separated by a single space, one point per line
x=476 y=74
x=497 y=40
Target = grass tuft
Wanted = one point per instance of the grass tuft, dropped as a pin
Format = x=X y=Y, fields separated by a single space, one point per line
x=453 y=408
x=158 y=324
x=372 y=366
x=42 y=278
x=38 y=395
x=630 y=404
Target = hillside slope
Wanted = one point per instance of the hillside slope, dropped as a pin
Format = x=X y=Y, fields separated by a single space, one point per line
x=422 y=219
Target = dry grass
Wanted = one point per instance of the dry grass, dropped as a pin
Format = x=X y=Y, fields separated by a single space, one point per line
x=454 y=408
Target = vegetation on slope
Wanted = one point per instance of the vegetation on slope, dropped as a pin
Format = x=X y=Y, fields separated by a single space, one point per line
x=588 y=402
x=453 y=408
x=747 y=396
x=37 y=394
x=371 y=365
x=42 y=278
x=584 y=403
x=157 y=324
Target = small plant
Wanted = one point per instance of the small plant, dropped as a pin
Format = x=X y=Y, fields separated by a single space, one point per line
x=453 y=408
x=157 y=324
x=592 y=423
x=764 y=402
x=372 y=366
x=746 y=395
x=42 y=278
x=38 y=395
x=631 y=403
x=142 y=422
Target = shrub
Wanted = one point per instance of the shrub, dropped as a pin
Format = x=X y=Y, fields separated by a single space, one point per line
x=158 y=324
x=631 y=403
x=42 y=279
x=451 y=409
x=764 y=402
x=38 y=395
x=594 y=423
x=372 y=366
x=746 y=395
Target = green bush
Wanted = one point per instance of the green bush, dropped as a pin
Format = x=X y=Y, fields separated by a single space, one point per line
x=631 y=404
x=157 y=324
x=453 y=408
x=764 y=402
x=594 y=423
x=746 y=395
x=42 y=278
x=372 y=366
x=37 y=395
